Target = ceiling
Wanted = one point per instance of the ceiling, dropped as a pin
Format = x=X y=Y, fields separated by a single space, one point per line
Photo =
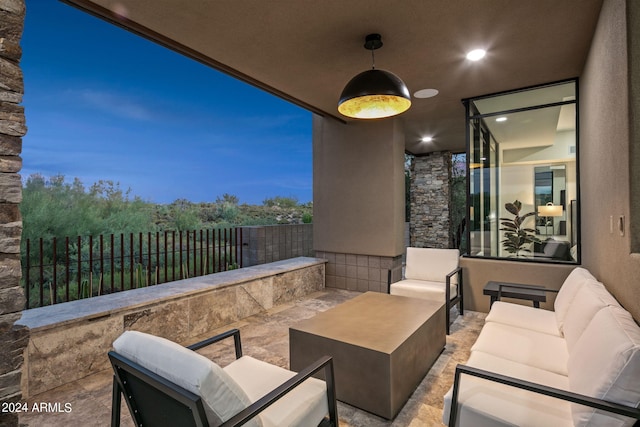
x=306 y=51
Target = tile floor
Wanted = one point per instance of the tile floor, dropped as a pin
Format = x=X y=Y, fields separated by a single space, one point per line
x=265 y=337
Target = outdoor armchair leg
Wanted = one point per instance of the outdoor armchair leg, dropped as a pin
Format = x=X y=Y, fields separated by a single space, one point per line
x=115 y=405
x=447 y=293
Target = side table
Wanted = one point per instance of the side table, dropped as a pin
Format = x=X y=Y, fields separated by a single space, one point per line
x=516 y=290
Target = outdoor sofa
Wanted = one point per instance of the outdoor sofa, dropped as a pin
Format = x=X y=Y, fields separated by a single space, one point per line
x=529 y=367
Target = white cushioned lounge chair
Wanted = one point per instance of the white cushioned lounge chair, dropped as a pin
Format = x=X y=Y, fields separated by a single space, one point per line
x=165 y=384
x=432 y=274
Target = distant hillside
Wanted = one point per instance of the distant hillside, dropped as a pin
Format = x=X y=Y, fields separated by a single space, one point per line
x=52 y=207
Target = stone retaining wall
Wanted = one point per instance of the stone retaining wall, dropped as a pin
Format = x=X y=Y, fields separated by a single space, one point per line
x=70 y=341
x=13 y=339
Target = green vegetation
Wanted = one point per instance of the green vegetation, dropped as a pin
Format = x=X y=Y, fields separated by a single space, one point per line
x=53 y=208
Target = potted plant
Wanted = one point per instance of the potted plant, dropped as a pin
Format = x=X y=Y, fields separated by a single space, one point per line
x=516 y=236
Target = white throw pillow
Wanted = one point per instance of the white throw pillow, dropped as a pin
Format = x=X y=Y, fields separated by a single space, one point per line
x=591 y=298
x=222 y=397
x=568 y=291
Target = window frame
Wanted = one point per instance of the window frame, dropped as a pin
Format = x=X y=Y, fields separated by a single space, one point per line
x=571 y=215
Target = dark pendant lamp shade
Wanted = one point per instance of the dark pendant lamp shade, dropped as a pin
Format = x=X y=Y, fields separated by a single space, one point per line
x=374 y=94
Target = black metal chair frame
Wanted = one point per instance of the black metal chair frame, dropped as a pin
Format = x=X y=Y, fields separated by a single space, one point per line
x=451 y=302
x=535 y=388
x=174 y=405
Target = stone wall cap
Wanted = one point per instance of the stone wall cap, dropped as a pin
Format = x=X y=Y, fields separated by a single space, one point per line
x=56 y=315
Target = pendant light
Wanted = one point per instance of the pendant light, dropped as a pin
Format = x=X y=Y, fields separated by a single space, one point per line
x=374 y=94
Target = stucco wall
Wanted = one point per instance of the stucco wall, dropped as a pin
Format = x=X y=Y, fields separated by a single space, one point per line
x=358 y=187
x=605 y=147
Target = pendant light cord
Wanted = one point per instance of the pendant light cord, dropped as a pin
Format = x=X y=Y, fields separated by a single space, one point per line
x=373 y=59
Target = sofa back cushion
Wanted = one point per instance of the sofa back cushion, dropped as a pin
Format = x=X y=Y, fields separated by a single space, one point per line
x=605 y=363
x=568 y=291
x=431 y=264
x=221 y=396
x=591 y=298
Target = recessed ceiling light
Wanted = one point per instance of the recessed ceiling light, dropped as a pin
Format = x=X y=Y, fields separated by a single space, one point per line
x=476 y=54
x=501 y=119
x=425 y=93
x=426 y=139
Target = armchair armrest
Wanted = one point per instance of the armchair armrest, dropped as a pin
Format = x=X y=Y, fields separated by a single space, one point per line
x=535 y=388
x=325 y=362
x=447 y=291
x=457 y=270
x=235 y=333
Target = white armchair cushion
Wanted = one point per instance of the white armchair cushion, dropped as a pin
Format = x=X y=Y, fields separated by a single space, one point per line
x=568 y=291
x=605 y=363
x=422 y=289
x=536 y=349
x=306 y=405
x=523 y=316
x=431 y=264
x=222 y=397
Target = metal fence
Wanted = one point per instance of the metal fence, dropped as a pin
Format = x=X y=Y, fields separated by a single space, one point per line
x=66 y=269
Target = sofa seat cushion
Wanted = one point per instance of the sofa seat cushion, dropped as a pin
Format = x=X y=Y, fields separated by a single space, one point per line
x=431 y=265
x=486 y=403
x=422 y=289
x=304 y=406
x=523 y=316
x=605 y=363
x=536 y=349
x=221 y=395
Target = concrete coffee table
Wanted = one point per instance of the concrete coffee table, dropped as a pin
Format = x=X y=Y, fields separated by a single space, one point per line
x=382 y=346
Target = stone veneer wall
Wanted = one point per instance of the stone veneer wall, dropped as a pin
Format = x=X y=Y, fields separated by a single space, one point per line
x=70 y=340
x=361 y=272
x=430 y=225
x=13 y=339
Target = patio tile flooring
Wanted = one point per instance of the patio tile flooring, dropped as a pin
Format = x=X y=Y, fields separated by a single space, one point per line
x=265 y=336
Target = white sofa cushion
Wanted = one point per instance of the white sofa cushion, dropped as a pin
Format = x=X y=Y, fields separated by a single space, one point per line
x=486 y=406
x=536 y=349
x=605 y=363
x=523 y=316
x=222 y=397
x=568 y=291
x=421 y=289
x=306 y=405
x=591 y=298
x=431 y=265
x=487 y=403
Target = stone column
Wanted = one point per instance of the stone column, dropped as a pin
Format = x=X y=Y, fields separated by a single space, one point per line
x=430 y=225
x=13 y=340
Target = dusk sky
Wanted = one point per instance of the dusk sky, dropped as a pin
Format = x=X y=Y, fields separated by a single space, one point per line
x=104 y=104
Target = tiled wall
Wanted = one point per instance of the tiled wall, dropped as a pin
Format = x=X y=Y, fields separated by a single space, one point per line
x=269 y=243
x=361 y=272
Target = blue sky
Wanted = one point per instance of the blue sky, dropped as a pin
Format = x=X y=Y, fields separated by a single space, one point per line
x=104 y=104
